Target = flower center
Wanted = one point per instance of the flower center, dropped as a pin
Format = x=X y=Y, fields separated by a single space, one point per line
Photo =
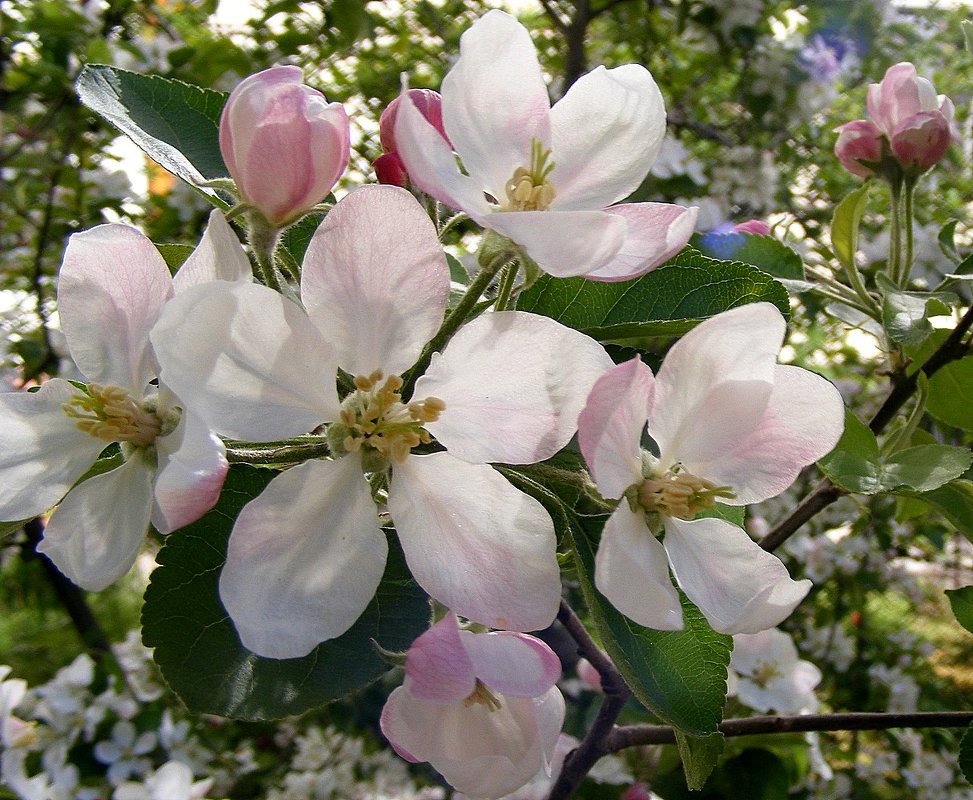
x=481 y=695
x=677 y=493
x=375 y=418
x=764 y=673
x=529 y=189
x=111 y=414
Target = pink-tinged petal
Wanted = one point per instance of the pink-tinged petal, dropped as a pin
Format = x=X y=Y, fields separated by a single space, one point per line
x=656 y=232
x=375 y=280
x=247 y=360
x=896 y=97
x=712 y=388
x=494 y=101
x=438 y=668
x=431 y=164
x=100 y=526
x=111 y=288
x=513 y=384
x=512 y=663
x=738 y=587
x=802 y=422
x=859 y=144
x=219 y=256
x=475 y=543
x=564 y=243
x=391 y=725
x=632 y=572
x=304 y=559
x=605 y=134
x=611 y=424
x=920 y=141
x=43 y=452
x=192 y=466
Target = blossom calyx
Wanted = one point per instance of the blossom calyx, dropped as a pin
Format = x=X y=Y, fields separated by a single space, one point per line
x=283 y=143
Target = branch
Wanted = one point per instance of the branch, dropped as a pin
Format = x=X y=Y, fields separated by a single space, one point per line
x=825 y=493
x=635 y=735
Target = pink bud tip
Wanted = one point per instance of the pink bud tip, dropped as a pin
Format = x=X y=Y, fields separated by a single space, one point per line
x=428 y=103
x=859 y=146
x=754 y=226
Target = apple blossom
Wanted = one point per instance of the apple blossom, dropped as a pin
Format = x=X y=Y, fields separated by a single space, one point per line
x=388 y=166
x=113 y=285
x=901 y=95
x=729 y=424
x=546 y=177
x=482 y=709
x=859 y=147
x=283 y=143
x=770 y=676
x=306 y=556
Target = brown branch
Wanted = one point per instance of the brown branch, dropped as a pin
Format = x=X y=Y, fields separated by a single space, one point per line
x=636 y=735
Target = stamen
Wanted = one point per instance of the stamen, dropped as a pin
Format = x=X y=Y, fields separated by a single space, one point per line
x=111 y=414
x=679 y=494
x=528 y=188
x=481 y=695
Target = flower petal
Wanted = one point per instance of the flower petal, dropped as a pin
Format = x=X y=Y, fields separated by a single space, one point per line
x=475 y=543
x=656 y=232
x=739 y=587
x=495 y=101
x=219 y=256
x=192 y=466
x=712 y=388
x=438 y=668
x=563 y=243
x=803 y=421
x=375 y=280
x=304 y=559
x=512 y=663
x=632 y=572
x=100 y=526
x=513 y=384
x=43 y=452
x=605 y=134
x=611 y=425
x=111 y=288
x=247 y=360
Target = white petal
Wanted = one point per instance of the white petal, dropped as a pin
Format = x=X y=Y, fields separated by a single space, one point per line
x=709 y=396
x=100 y=526
x=192 y=466
x=495 y=101
x=111 y=288
x=375 y=280
x=739 y=587
x=611 y=424
x=304 y=559
x=802 y=422
x=219 y=256
x=43 y=452
x=563 y=243
x=246 y=360
x=475 y=543
x=632 y=572
x=606 y=133
x=512 y=663
x=513 y=384
x=655 y=233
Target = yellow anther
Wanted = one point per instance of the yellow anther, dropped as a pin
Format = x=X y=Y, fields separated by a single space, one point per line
x=679 y=494
x=528 y=188
x=481 y=695
x=111 y=414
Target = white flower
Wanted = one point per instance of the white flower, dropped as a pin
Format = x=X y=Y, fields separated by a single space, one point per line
x=124 y=752
x=771 y=676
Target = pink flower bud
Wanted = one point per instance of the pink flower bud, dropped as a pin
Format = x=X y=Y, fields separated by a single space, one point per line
x=754 y=226
x=638 y=791
x=903 y=94
x=389 y=169
x=283 y=143
x=859 y=147
x=921 y=140
x=429 y=104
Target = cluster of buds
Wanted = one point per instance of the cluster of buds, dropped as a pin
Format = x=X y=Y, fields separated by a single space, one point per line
x=909 y=129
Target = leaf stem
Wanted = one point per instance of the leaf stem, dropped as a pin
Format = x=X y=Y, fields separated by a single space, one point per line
x=283 y=451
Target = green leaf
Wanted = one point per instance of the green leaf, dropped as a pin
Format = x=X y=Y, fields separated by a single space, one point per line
x=768 y=254
x=197 y=647
x=905 y=315
x=854 y=463
x=955 y=502
x=668 y=301
x=174 y=254
x=951 y=394
x=297 y=237
x=844 y=226
x=175 y=123
x=925 y=467
x=966 y=743
x=680 y=676
x=961 y=601
x=947 y=241
x=700 y=755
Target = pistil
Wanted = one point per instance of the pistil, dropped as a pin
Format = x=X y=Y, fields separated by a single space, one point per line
x=529 y=189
